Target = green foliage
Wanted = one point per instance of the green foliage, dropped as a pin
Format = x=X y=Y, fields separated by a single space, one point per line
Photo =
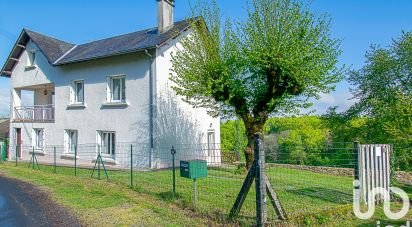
x=232 y=134
x=383 y=88
x=270 y=63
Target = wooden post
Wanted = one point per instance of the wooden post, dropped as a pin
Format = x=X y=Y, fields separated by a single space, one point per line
x=243 y=192
x=260 y=183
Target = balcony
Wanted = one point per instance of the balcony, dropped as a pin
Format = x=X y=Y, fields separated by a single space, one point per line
x=38 y=113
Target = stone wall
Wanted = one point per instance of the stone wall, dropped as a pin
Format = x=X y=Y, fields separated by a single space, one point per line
x=400 y=176
x=318 y=169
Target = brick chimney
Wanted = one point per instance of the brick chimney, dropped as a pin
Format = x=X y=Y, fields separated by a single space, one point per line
x=164 y=15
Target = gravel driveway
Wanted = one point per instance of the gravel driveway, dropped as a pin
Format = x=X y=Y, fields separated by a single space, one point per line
x=23 y=204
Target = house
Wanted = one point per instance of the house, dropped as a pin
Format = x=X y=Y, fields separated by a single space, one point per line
x=105 y=95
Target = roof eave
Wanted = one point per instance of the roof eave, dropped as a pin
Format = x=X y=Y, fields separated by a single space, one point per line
x=106 y=56
x=2 y=72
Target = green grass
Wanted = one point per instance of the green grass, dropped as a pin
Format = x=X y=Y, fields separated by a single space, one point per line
x=309 y=198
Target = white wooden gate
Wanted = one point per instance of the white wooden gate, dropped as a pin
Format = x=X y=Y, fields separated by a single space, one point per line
x=374 y=170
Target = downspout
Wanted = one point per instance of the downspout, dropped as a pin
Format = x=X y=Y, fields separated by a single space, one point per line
x=151 y=104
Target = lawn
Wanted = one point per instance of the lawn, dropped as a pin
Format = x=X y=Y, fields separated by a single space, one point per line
x=307 y=197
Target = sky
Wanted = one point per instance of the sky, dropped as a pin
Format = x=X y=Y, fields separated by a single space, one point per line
x=358 y=23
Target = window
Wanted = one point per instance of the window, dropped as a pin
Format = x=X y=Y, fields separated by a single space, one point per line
x=116 y=89
x=70 y=141
x=77 y=92
x=31 y=58
x=38 y=138
x=210 y=142
x=106 y=142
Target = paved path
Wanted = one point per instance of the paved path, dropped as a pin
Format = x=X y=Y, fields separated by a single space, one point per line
x=23 y=204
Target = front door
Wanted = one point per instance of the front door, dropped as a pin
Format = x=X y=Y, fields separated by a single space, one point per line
x=18 y=143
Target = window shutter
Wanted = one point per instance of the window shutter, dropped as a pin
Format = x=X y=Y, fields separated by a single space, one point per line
x=123 y=89
x=108 y=90
x=42 y=137
x=33 y=137
x=71 y=93
x=66 y=141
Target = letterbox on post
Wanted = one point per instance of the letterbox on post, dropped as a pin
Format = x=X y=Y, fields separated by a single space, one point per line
x=193 y=169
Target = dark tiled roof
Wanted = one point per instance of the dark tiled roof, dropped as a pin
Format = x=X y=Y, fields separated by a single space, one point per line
x=51 y=47
x=127 y=43
x=59 y=52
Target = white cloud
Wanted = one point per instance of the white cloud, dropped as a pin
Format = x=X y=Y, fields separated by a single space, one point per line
x=341 y=98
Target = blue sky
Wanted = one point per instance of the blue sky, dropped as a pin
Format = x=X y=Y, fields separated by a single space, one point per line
x=359 y=23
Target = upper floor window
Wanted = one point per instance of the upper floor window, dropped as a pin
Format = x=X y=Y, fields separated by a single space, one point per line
x=31 y=58
x=116 y=89
x=38 y=138
x=77 y=92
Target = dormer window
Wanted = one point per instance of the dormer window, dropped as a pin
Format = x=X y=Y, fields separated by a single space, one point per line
x=31 y=58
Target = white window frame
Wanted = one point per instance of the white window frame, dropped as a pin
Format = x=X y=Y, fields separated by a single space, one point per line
x=74 y=99
x=110 y=89
x=70 y=142
x=31 y=58
x=106 y=143
x=38 y=138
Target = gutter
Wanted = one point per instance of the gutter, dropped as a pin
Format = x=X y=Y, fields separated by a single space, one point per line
x=152 y=90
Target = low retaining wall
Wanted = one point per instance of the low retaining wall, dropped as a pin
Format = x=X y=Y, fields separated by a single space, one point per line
x=404 y=177
x=400 y=176
x=318 y=169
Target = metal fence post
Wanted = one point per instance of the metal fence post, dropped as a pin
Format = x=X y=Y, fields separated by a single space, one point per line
x=131 y=165
x=17 y=150
x=173 y=151
x=356 y=163
x=54 y=151
x=260 y=182
x=75 y=160
x=32 y=156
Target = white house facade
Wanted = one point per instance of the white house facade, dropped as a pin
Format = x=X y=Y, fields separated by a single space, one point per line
x=103 y=97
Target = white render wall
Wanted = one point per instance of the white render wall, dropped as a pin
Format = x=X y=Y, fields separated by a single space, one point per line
x=176 y=122
x=129 y=123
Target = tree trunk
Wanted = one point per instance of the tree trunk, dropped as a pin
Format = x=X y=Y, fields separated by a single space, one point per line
x=251 y=129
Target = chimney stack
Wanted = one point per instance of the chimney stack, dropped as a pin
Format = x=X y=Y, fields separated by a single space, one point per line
x=164 y=15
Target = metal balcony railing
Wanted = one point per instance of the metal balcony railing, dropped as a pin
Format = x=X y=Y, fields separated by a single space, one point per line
x=40 y=113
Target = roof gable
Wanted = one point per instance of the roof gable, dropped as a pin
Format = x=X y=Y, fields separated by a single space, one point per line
x=59 y=52
x=51 y=48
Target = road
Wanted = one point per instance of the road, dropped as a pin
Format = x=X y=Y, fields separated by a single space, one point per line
x=23 y=204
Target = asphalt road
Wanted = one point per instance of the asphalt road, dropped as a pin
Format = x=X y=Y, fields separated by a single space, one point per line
x=23 y=204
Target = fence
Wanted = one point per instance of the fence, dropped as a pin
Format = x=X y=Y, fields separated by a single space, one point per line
x=306 y=180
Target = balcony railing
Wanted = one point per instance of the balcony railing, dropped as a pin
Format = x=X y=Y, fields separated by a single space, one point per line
x=34 y=113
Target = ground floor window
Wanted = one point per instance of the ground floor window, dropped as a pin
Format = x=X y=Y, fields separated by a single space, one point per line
x=70 y=140
x=38 y=138
x=106 y=142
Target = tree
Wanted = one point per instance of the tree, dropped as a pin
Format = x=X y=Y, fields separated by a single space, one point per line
x=383 y=88
x=270 y=63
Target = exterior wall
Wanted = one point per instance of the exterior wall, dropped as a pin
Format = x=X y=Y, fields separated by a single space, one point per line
x=178 y=123
x=129 y=123
x=175 y=122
